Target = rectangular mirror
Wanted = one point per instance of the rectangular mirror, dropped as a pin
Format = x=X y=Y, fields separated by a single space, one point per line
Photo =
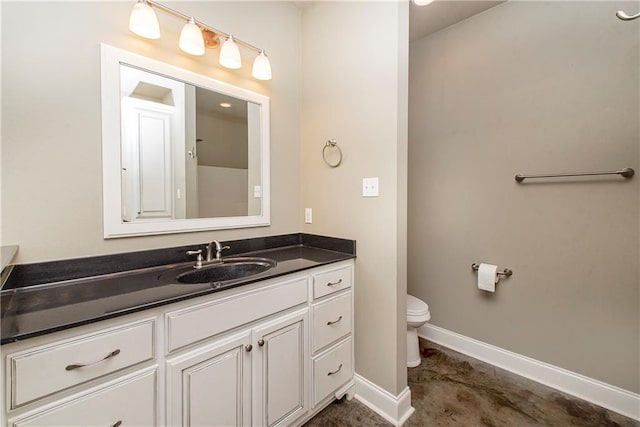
x=181 y=151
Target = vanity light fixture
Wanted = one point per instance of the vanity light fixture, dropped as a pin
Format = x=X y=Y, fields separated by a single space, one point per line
x=191 y=40
x=230 y=54
x=143 y=21
x=422 y=2
x=195 y=36
x=261 y=67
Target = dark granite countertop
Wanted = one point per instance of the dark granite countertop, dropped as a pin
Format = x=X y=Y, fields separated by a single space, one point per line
x=88 y=290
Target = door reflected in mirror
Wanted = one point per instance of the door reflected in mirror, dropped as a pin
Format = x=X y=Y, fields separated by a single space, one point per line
x=187 y=152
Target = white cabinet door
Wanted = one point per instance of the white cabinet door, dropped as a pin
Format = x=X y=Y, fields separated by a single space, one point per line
x=211 y=386
x=281 y=370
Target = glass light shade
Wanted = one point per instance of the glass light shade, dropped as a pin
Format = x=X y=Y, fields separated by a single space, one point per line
x=143 y=21
x=230 y=54
x=191 y=40
x=422 y=2
x=261 y=67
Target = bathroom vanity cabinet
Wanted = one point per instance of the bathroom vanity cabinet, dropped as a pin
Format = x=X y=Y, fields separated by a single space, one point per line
x=268 y=353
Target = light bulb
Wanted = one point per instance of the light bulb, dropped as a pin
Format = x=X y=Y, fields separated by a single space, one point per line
x=143 y=21
x=261 y=67
x=230 y=54
x=191 y=40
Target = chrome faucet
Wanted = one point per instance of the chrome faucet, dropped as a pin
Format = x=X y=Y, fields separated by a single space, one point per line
x=218 y=247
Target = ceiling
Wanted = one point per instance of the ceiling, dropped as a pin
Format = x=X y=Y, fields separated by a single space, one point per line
x=425 y=20
x=208 y=101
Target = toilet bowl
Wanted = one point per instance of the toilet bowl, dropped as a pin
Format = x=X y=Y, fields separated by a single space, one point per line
x=417 y=315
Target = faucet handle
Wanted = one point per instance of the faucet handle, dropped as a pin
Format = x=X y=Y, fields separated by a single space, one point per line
x=219 y=250
x=199 y=258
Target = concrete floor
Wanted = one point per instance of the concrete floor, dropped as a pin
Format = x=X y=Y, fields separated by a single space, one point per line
x=451 y=389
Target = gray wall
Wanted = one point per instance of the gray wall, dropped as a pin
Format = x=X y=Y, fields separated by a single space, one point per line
x=530 y=87
x=51 y=122
x=355 y=90
x=224 y=141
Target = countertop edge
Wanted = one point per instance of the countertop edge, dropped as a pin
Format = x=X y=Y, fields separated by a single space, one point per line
x=148 y=306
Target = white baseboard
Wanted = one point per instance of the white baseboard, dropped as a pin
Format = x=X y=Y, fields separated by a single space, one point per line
x=395 y=409
x=611 y=397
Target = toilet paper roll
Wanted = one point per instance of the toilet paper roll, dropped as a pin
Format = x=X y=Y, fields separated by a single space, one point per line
x=487 y=274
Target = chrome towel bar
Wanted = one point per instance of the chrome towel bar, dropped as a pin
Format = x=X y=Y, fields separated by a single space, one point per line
x=625 y=173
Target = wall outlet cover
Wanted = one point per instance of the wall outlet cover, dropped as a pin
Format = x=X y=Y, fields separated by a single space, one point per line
x=370 y=187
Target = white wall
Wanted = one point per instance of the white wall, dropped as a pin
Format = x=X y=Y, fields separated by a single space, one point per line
x=354 y=90
x=51 y=134
x=530 y=87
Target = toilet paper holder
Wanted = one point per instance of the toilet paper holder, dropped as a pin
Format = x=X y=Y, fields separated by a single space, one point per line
x=504 y=273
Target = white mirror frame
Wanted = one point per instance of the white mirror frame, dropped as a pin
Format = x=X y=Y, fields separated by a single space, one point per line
x=111 y=149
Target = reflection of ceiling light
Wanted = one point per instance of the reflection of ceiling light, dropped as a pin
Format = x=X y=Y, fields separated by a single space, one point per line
x=225 y=105
x=422 y=2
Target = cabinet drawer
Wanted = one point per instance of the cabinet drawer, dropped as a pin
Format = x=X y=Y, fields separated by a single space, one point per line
x=331 y=281
x=331 y=321
x=130 y=402
x=45 y=370
x=331 y=370
x=206 y=320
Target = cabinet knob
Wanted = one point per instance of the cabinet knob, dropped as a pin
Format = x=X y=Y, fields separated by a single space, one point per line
x=117 y=423
x=248 y=347
x=260 y=342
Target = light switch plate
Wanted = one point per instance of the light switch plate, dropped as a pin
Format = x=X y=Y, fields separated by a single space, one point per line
x=370 y=187
x=308 y=215
x=257 y=191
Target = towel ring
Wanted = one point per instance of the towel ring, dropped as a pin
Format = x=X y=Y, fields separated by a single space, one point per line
x=333 y=144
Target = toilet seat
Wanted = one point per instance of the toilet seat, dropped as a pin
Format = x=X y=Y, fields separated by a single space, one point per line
x=416 y=307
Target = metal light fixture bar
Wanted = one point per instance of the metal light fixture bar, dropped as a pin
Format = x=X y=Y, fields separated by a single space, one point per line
x=201 y=24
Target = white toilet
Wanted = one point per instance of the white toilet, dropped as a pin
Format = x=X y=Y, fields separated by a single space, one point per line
x=417 y=315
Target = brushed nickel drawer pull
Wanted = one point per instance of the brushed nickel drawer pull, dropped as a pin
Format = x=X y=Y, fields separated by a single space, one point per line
x=83 y=365
x=335 y=321
x=260 y=342
x=336 y=371
x=248 y=348
x=117 y=423
x=334 y=283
